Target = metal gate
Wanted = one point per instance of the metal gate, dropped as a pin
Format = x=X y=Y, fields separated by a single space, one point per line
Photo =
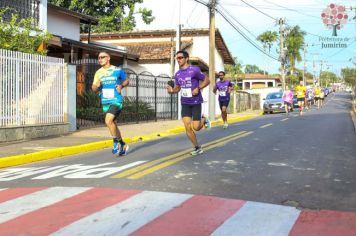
x=145 y=99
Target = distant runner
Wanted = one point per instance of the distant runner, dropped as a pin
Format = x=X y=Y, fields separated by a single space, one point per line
x=224 y=88
x=109 y=81
x=189 y=80
x=317 y=96
x=301 y=91
x=288 y=99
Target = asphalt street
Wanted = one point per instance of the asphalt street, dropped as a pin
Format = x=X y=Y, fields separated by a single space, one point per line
x=308 y=162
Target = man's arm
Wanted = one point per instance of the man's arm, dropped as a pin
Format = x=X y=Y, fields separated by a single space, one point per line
x=123 y=84
x=96 y=84
x=175 y=89
x=202 y=85
x=205 y=83
x=214 y=89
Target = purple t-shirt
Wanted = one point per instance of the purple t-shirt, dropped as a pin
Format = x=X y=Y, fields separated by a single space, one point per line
x=188 y=80
x=222 y=87
x=288 y=96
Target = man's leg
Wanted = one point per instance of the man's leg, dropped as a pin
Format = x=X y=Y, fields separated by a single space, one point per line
x=224 y=114
x=114 y=131
x=111 y=124
x=286 y=108
x=187 y=121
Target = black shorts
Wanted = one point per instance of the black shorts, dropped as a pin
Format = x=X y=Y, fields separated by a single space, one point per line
x=300 y=99
x=224 y=104
x=115 y=110
x=287 y=103
x=192 y=111
x=317 y=98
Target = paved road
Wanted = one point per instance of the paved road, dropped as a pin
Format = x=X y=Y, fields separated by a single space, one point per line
x=295 y=163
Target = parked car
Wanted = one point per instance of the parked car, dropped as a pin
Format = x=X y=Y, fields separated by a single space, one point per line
x=273 y=103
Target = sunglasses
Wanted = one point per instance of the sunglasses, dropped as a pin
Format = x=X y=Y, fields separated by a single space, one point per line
x=179 y=58
x=102 y=57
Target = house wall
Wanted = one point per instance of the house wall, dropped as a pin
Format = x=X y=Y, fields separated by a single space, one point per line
x=155 y=69
x=63 y=25
x=201 y=49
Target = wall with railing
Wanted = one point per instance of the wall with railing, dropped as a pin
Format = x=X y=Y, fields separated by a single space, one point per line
x=32 y=89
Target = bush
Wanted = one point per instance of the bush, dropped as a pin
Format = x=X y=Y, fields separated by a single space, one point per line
x=21 y=35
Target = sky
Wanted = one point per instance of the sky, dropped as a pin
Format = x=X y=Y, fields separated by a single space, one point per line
x=254 y=17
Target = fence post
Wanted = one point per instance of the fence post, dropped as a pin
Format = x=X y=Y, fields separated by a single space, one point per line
x=17 y=89
x=137 y=115
x=155 y=84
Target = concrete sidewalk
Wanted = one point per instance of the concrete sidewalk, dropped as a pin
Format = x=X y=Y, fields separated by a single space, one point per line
x=94 y=139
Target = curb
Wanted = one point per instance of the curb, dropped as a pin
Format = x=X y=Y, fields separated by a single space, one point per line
x=72 y=150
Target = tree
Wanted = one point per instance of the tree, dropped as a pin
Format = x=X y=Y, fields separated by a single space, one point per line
x=267 y=39
x=234 y=70
x=113 y=15
x=250 y=69
x=21 y=35
x=349 y=75
x=294 y=43
x=327 y=77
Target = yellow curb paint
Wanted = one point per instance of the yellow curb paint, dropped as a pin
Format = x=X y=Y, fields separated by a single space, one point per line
x=65 y=151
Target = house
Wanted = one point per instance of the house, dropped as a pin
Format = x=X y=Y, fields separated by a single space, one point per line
x=155 y=48
x=156 y=51
x=64 y=24
x=257 y=81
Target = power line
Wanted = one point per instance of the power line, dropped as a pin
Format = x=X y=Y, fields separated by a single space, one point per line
x=238 y=21
x=245 y=36
x=289 y=9
x=259 y=10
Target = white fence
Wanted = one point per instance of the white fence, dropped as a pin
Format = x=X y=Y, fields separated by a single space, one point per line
x=32 y=89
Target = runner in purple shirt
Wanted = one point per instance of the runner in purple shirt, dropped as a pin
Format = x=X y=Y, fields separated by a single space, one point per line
x=224 y=88
x=189 y=80
x=288 y=99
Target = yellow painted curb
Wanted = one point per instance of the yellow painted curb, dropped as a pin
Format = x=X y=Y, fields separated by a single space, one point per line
x=72 y=150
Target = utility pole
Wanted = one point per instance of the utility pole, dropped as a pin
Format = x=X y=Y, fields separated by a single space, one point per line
x=321 y=71
x=178 y=45
x=282 y=51
x=212 y=4
x=305 y=64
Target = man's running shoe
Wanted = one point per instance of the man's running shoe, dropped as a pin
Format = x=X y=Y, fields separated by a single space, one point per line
x=197 y=151
x=225 y=125
x=115 y=148
x=123 y=150
x=207 y=123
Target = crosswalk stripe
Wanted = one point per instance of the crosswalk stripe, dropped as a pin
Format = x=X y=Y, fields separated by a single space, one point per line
x=199 y=215
x=28 y=203
x=127 y=216
x=8 y=194
x=107 y=211
x=325 y=222
x=260 y=219
x=54 y=217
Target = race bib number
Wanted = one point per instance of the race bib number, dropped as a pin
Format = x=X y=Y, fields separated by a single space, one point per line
x=187 y=92
x=300 y=93
x=108 y=93
x=222 y=93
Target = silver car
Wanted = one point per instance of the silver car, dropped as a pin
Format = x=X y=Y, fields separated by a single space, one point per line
x=273 y=103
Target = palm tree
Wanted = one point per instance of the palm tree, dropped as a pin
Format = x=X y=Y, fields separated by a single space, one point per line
x=267 y=39
x=294 y=43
